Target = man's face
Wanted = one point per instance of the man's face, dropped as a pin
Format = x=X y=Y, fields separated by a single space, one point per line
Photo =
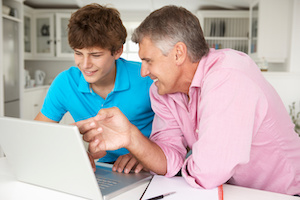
x=160 y=68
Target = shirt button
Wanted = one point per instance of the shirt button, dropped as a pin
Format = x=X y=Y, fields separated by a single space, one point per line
x=197 y=130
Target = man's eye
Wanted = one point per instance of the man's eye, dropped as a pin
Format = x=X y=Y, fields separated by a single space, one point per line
x=147 y=60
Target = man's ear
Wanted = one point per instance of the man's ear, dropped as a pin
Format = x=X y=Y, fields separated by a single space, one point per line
x=118 y=53
x=180 y=52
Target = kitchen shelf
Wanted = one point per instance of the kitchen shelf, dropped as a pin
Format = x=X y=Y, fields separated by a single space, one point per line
x=225 y=29
x=11 y=18
x=28 y=89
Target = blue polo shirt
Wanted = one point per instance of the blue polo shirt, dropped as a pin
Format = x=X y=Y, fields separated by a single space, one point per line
x=70 y=92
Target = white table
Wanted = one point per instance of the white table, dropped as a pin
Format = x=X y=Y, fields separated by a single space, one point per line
x=11 y=189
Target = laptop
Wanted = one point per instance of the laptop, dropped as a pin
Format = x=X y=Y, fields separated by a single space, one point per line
x=53 y=156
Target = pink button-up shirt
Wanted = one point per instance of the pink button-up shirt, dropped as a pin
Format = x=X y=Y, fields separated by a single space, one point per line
x=236 y=125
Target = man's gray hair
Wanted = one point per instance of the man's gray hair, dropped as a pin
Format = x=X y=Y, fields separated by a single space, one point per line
x=170 y=25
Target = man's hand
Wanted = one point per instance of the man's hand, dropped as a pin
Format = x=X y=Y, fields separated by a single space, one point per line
x=126 y=163
x=109 y=130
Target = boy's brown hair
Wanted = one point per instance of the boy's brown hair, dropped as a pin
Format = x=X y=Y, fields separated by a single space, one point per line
x=96 y=26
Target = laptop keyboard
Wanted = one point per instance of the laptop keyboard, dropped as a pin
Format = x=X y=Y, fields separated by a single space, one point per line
x=105 y=183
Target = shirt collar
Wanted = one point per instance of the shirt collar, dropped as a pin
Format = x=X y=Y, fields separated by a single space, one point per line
x=203 y=67
x=83 y=86
x=121 y=82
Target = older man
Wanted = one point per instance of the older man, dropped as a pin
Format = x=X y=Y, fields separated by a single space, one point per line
x=215 y=102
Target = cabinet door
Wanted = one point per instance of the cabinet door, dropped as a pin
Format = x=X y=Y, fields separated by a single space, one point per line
x=33 y=102
x=44 y=32
x=62 y=44
x=28 y=32
x=271 y=28
x=27 y=35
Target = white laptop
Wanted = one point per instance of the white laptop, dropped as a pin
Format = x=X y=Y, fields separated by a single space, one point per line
x=53 y=156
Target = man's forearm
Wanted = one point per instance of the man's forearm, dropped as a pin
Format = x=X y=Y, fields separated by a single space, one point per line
x=149 y=154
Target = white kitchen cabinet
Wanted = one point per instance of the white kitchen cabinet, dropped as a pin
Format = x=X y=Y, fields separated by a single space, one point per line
x=50 y=35
x=62 y=44
x=33 y=101
x=28 y=32
x=225 y=29
x=44 y=34
x=67 y=119
x=270 y=27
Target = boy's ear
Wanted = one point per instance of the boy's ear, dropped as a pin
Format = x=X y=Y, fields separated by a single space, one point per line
x=118 y=53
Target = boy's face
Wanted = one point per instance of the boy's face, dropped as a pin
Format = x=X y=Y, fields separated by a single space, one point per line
x=96 y=64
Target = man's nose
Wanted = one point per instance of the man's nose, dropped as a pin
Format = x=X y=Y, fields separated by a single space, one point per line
x=144 y=70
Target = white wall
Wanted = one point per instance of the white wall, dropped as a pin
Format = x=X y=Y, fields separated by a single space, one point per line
x=294 y=61
x=287 y=85
x=52 y=68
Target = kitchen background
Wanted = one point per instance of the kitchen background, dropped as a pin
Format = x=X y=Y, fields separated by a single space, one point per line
x=34 y=45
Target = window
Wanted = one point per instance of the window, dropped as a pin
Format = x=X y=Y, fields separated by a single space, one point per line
x=130 y=51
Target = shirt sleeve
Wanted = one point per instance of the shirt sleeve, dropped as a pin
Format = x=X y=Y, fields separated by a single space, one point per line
x=166 y=131
x=54 y=106
x=231 y=110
